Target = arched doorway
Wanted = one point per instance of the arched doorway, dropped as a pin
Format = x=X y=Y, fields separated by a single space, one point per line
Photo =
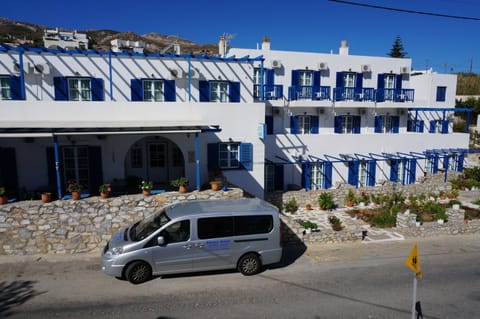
x=156 y=159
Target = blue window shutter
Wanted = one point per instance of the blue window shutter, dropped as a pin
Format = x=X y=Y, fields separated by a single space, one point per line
x=446 y=159
x=269 y=124
x=378 y=124
x=97 y=89
x=61 y=88
x=398 y=81
x=444 y=126
x=353 y=173
x=421 y=126
x=314 y=126
x=461 y=158
x=339 y=87
x=435 y=164
x=441 y=93
x=234 y=92
x=412 y=166
x=356 y=124
x=338 y=124
x=246 y=156
x=15 y=88
x=394 y=170
x=381 y=87
x=327 y=175
x=169 y=86
x=293 y=125
x=371 y=172
x=295 y=77
x=433 y=124
x=136 y=90
x=269 y=77
x=278 y=177
x=358 y=82
x=212 y=156
x=395 y=124
x=204 y=88
x=316 y=83
x=306 y=175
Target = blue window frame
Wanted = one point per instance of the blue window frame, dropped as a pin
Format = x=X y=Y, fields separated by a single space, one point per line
x=10 y=87
x=206 y=87
x=78 y=89
x=304 y=124
x=144 y=90
x=441 y=93
x=230 y=155
x=387 y=124
x=347 y=124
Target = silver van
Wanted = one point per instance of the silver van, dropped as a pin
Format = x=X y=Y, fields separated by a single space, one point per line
x=197 y=236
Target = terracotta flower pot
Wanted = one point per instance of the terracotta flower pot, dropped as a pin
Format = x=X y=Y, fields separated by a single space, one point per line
x=104 y=195
x=215 y=186
x=3 y=200
x=147 y=192
x=75 y=195
x=182 y=189
x=46 y=197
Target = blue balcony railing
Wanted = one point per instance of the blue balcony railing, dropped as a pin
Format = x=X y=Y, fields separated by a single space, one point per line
x=270 y=92
x=395 y=95
x=354 y=94
x=304 y=92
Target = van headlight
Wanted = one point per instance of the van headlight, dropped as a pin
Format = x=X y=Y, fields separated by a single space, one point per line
x=115 y=251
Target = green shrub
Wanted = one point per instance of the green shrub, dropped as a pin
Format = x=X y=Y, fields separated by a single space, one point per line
x=325 y=201
x=291 y=206
x=308 y=224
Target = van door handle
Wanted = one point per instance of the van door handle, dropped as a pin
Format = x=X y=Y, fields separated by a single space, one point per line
x=187 y=246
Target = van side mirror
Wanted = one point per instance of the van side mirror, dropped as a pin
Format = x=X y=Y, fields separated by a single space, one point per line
x=160 y=240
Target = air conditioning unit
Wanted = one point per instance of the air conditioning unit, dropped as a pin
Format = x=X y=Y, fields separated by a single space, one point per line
x=276 y=64
x=176 y=74
x=322 y=66
x=41 y=69
x=194 y=74
x=404 y=70
x=27 y=68
x=366 y=68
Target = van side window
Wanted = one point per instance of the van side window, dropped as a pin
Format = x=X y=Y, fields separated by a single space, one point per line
x=177 y=232
x=249 y=225
x=215 y=227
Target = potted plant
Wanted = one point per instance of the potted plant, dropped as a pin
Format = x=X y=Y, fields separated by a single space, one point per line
x=3 y=196
x=350 y=198
x=325 y=201
x=291 y=206
x=216 y=179
x=335 y=222
x=104 y=190
x=146 y=187
x=75 y=189
x=308 y=207
x=442 y=195
x=181 y=183
x=46 y=197
x=308 y=225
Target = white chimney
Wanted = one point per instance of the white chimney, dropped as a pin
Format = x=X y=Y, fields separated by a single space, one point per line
x=222 y=46
x=266 y=44
x=343 y=48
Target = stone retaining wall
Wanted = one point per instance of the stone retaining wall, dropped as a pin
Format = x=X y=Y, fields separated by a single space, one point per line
x=430 y=184
x=67 y=226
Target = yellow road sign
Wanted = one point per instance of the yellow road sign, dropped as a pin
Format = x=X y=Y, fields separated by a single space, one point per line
x=413 y=262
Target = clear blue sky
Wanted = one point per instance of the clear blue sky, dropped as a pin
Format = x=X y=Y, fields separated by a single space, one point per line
x=444 y=44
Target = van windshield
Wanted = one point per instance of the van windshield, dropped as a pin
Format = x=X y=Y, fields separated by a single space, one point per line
x=146 y=227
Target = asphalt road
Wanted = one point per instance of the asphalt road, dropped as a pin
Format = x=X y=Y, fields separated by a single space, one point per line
x=325 y=281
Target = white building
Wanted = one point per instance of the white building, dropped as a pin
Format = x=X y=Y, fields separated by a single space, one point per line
x=119 y=45
x=268 y=120
x=64 y=39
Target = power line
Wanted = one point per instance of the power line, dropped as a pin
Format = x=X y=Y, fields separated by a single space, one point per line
x=405 y=10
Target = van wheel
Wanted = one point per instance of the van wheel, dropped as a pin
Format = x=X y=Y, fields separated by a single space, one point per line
x=249 y=264
x=138 y=272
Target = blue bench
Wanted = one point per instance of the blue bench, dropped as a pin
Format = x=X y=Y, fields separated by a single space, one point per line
x=157 y=191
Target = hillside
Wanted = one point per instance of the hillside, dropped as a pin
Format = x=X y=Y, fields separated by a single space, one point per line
x=468 y=84
x=31 y=34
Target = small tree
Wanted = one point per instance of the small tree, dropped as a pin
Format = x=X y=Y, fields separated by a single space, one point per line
x=397 y=50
